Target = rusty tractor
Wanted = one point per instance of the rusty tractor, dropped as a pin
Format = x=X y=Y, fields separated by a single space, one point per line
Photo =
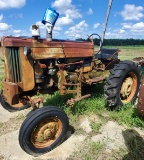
x=36 y=65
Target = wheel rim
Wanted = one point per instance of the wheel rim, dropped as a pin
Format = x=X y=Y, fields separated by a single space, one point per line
x=128 y=88
x=46 y=132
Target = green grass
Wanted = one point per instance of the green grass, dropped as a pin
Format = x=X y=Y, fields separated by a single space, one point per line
x=96 y=126
x=128 y=52
x=96 y=104
x=1 y=78
x=90 y=151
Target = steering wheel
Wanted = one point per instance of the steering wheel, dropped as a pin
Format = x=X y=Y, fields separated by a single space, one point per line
x=89 y=37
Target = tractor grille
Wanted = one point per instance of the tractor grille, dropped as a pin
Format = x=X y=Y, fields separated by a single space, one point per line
x=14 y=65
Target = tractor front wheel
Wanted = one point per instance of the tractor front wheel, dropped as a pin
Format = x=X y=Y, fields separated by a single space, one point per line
x=122 y=85
x=23 y=104
x=43 y=130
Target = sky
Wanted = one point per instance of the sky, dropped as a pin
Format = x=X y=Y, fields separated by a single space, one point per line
x=77 y=18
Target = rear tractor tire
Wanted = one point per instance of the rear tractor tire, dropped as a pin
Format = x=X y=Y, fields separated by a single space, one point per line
x=122 y=85
x=43 y=130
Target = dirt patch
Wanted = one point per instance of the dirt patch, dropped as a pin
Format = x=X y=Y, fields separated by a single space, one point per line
x=12 y=125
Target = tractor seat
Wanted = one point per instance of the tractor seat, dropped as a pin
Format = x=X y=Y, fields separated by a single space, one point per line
x=105 y=53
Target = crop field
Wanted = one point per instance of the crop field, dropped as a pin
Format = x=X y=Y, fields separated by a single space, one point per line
x=95 y=107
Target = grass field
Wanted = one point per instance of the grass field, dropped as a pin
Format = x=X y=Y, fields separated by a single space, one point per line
x=96 y=104
x=128 y=52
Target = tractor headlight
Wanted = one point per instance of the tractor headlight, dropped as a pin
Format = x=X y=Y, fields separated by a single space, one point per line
x=26 y=50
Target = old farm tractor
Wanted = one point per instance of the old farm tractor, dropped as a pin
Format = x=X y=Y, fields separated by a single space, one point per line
x=34 y=65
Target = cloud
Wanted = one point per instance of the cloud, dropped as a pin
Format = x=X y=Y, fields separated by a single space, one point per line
x=121 y=31
x=4 y=27
x=77 y=31
x=128 y=30
x=12 y=3
x=16 y=31
x=117 y=34
x=19 y=15
x=66 y=7
x=68 y=13
x=1 y=17
x=63 y=21
x=137 y=27
x=96 y=25
x=90 y=12
x=132 y=12
x=126 y=25
x=57 y=28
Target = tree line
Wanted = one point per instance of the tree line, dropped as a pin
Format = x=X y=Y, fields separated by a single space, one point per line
x=116 y=42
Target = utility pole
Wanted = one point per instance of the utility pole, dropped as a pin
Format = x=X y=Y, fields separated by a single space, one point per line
x=106 y=21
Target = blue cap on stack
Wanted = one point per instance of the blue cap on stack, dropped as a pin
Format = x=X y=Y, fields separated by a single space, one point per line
x=50 y=16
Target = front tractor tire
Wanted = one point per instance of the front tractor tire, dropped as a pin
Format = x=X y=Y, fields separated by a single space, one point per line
x=13 y=108
x=122 y=85
x=43 y=130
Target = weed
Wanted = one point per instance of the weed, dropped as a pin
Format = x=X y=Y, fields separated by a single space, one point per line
x=1 y=125
x=127 y=115
x=96 y=126
x=90 y=151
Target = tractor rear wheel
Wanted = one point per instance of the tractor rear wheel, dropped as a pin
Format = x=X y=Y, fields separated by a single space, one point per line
x=122 y=85
x=43 y=130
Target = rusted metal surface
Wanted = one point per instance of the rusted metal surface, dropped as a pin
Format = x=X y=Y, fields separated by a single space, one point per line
x=6 y=66
x=16 y=42
x=95 y=80
x=128 y=87
x=141 y=101
x=139 y=60
x=64 y=65
x=63 y=85
x=43 y=49
x=47 y=53
x=67 y=50
x=38 y=72
x=27 y=72
x=36 y=102
x=78 y=52
x=71 y=101
x=18 y=68
x=46 y=132
x=10 y=92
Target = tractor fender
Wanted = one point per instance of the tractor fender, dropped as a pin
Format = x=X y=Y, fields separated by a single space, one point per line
x=141 y=100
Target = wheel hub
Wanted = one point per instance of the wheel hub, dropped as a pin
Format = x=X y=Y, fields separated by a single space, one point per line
x=126 y=87
x=47 y=132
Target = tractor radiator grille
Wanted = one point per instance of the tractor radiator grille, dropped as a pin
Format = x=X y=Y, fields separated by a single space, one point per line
x=14 y=65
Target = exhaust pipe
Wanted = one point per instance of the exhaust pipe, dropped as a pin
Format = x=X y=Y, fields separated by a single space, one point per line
x=49 y=19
